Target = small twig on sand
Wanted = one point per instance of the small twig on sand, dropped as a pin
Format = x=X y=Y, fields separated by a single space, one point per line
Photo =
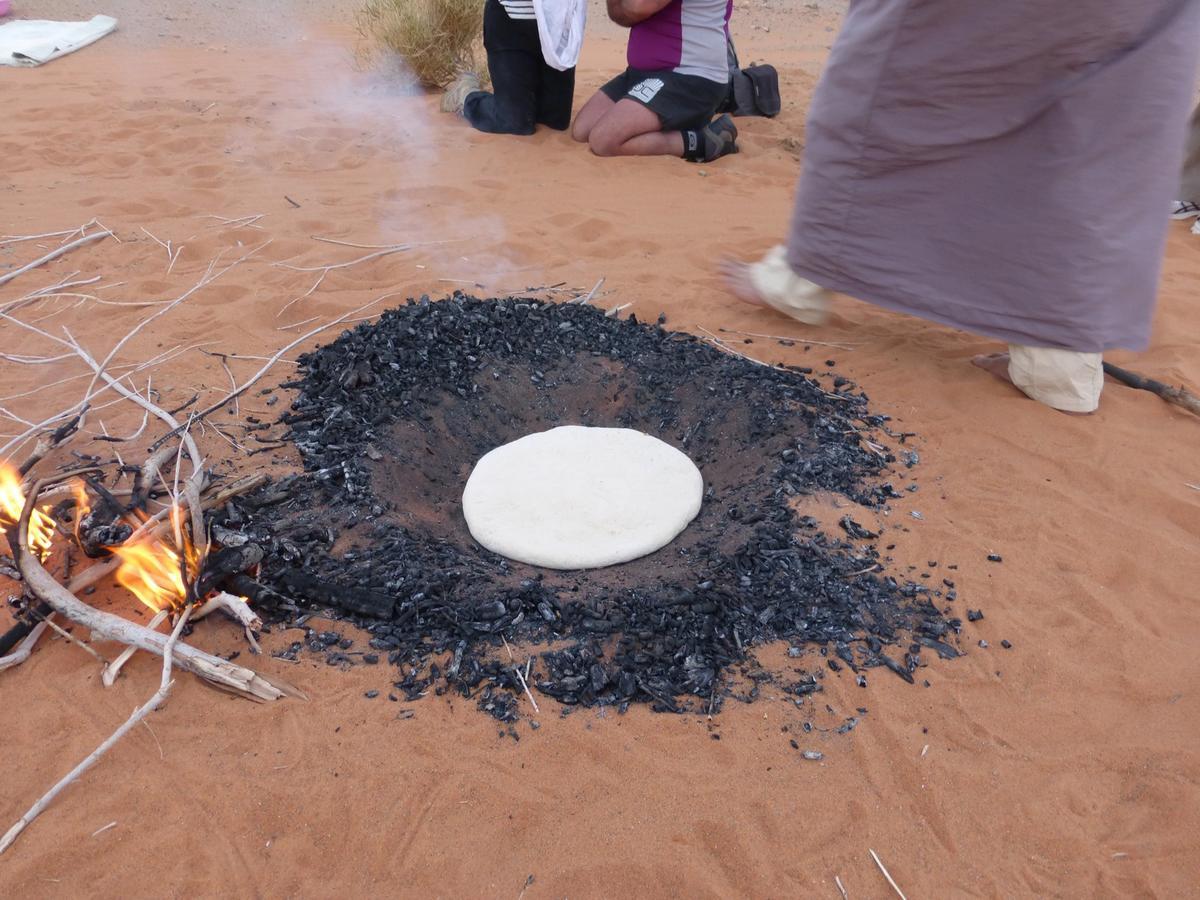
x=243 y=222
x=724 y=345
x=71 y=639
x=244 y=356
x=1180 y=396
x=18 y=238
x=238 y=610
x=140 y=713
x=886 y=874
x=386 y=251
x=357 y=246
x=587 y=298
x=237 y=408
x=172 y=253
x=104 y=828
x=783 y=337
x=325 y=270
x=525 y=685
x=520 y=676
x=52 y=255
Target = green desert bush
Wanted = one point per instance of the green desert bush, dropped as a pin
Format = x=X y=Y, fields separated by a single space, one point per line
x=438 y=39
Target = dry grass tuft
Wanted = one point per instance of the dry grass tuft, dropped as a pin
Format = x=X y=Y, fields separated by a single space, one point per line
x=438 y=39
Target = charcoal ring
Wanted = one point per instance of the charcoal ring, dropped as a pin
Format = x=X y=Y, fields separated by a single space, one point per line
x=390 y=417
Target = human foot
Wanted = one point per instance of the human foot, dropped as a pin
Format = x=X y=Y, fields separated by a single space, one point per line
x=456 y=95
x=772 y=282
x=736 y=275
x=997 y=365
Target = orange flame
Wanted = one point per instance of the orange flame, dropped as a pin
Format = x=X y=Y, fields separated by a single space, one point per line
x=150 y=569
x=82 y=506
x=12 y=502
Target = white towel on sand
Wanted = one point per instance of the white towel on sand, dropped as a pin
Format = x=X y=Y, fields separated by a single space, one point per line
x=560 y=29
x=31 y=42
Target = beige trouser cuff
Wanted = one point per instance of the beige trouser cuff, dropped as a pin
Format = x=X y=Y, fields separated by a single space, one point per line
x=784 y=290
x=1064 y=379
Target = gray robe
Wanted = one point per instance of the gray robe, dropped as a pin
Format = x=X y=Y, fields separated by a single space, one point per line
x=1002 y=166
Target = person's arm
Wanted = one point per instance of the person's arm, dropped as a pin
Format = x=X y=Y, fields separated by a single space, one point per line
x=629 y=12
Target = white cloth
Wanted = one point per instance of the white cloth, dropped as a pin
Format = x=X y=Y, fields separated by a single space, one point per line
x=1069 y=380
x=560 y=29
x=31 y=42
x=782 y=289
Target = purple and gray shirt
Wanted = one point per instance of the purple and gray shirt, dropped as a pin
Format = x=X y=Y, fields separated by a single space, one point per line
x=686 y=36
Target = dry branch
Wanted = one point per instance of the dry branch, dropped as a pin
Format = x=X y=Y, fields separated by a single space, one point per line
x=52 y=255
x=235 y=607
x=211 y=274
x=110 y=673
x=238 y=610
x=24 y=649
x=1180 y=396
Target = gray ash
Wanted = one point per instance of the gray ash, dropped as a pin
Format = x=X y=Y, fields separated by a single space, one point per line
x=391 y=417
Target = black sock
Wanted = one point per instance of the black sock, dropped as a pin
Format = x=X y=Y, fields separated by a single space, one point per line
x=695 y=147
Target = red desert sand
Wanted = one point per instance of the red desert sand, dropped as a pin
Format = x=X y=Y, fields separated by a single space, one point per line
x=1068 y=765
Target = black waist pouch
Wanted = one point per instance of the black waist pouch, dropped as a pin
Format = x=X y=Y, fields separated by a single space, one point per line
x=756 y=92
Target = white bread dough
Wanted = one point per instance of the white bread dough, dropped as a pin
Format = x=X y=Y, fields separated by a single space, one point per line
x=576 y=497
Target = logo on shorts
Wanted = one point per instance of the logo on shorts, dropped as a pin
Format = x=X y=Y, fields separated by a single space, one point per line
x=646 y=90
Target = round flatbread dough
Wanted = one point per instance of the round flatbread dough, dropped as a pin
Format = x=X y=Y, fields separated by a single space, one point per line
x=580 y=498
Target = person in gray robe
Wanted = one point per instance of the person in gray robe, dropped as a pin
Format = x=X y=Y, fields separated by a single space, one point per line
x=1004 y=168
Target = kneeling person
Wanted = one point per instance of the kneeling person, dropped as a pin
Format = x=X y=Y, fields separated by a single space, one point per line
x=526 y=90
x=678 y=76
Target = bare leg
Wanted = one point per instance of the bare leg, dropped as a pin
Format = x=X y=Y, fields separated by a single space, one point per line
x=593 y=111
x=630 y=129
x=655 y=143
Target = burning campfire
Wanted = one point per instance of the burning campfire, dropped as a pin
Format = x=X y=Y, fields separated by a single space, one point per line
x=158 y=563
x=148 y=566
